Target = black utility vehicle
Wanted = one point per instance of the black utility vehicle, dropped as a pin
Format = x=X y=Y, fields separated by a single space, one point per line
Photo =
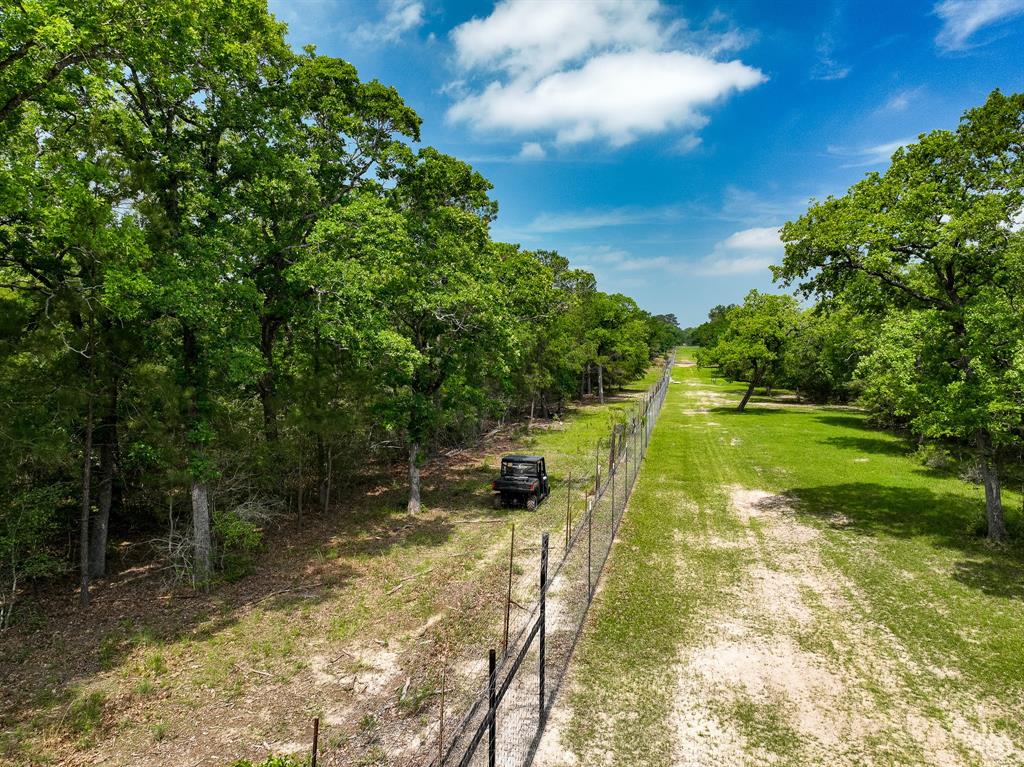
x=523 y=481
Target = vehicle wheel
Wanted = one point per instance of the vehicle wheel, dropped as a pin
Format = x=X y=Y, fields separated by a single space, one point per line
x=531 y=503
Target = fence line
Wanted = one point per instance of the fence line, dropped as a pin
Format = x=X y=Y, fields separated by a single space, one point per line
x=509 y=710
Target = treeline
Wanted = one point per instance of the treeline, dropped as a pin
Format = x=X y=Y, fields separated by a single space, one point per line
x=918 y=274
x=769 y=341
x=227 y=277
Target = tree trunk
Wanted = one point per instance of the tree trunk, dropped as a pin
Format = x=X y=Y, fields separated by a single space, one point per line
x=993 y=493
x=321 y=470
x=108 y=458
x=267 y=381
x=529 y=424
x=600 y=383
x=590 y=387
x=746 y=397
x=301 y=486
x=201 y=529
x=195 y=382
x=83 y=532
x=414 y=479
x=327 y=482
x=755 y=380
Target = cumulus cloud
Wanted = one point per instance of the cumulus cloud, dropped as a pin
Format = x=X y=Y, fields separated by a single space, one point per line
x=400 y=16
x=521 y=37
x=962 y=18
x=749 y=250
x=605 y=70
x=531 y=150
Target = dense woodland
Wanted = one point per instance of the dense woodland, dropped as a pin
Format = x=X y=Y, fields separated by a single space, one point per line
x=918 y=274
x=228 y=275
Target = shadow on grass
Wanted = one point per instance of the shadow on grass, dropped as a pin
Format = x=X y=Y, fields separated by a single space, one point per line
x=939 y=519
x=875 y=445
x=845 y=421
x=751 y=412
x=993 y=576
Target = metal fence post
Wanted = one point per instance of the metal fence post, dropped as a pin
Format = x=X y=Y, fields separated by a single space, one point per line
x=492 y=708
x=590 y=538
x=568 y=510
x=543 y=627
x=629 y=482
x=614 y=471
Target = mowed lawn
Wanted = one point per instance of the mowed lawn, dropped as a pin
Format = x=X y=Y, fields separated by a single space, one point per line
x=793 y=587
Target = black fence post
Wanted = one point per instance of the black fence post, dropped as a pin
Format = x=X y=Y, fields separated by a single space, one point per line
x=543 y=615
x=316 y=741
x=492 y=708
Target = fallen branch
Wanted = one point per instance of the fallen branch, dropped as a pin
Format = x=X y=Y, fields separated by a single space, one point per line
x=405 y=580
x=278 y=592
x=252 y=670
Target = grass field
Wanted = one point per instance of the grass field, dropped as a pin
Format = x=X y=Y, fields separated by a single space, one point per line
x=346 y=618
x=793 y=587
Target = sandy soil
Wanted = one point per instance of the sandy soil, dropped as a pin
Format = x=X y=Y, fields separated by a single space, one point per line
x=796 y=646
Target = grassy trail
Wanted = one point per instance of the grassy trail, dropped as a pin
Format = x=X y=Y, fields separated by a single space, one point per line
x=792 y=587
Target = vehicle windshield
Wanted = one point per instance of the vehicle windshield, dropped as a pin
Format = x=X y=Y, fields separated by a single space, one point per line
x=518 y=469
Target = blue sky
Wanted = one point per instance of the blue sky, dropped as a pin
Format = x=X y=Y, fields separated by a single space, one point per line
x=661 y=145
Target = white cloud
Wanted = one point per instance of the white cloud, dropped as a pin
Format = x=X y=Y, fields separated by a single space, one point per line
x=899 y=101
x=753 y=209
x=879 y=154
x=401 y=16
x=757 y=238
x=827 y=67
x=532 y=151
x=743 y=252
x=962 y=18
x=615 y=96
x=688 y=143
x=603 y=70
x=522 y=37
x=601 y=218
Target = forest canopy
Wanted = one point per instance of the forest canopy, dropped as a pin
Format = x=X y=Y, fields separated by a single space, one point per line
x=224 y=264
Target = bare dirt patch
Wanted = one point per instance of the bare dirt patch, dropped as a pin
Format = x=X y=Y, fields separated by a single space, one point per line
x=793 y=668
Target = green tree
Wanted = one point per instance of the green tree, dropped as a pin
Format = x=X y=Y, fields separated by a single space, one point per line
x=822 y=356
x=184 y=102
x=935 y=239
x=442 y=297
x=753 y=344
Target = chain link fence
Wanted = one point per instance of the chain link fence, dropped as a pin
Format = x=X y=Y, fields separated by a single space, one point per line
x=502 y=721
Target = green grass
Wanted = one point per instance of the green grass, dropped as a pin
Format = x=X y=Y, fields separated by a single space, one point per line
x=941 y=610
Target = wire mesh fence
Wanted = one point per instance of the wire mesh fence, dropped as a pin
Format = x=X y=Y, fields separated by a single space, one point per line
x=503 y=718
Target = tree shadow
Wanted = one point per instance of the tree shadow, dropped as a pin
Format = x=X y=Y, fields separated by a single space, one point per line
x=844 y=421
x=751 y=412
x=944 y=520
x=875 y=445
x=993 y=576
